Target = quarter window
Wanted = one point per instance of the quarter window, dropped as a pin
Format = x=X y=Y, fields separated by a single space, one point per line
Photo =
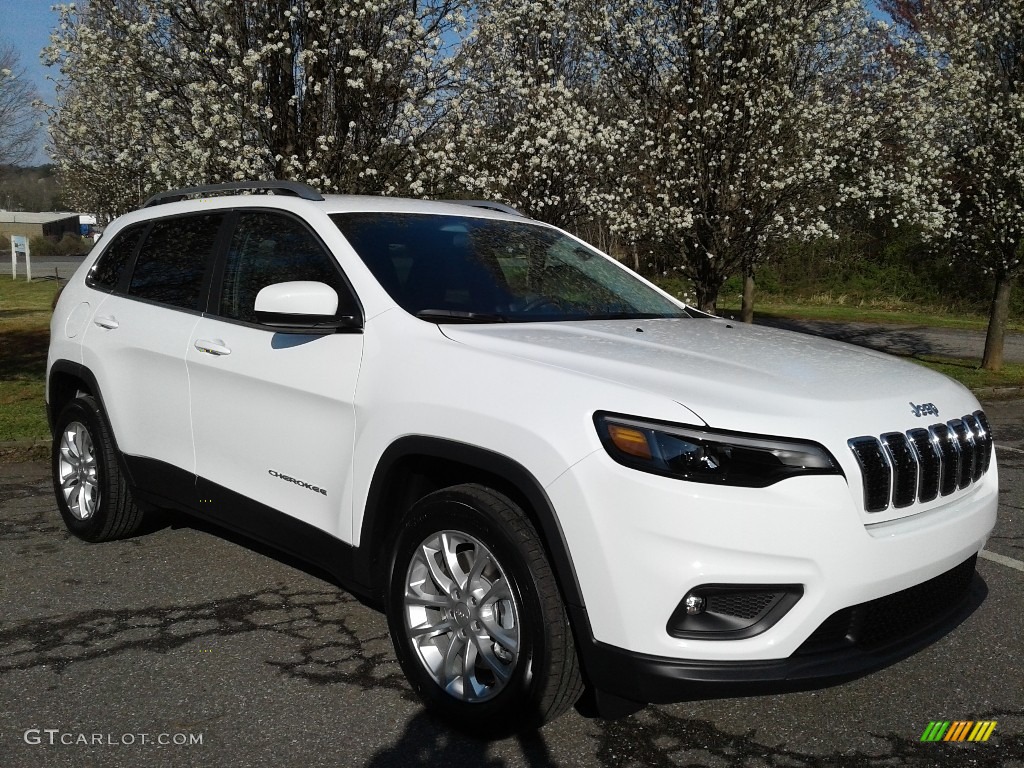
x=111 y=266
x=171 y=263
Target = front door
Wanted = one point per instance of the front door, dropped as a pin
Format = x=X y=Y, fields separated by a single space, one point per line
x=272 y=413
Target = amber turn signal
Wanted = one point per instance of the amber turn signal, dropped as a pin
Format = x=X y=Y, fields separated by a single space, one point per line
x=630 y=441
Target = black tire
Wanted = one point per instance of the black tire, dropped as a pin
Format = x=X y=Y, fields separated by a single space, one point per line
x=93 y=495
x=540 y=669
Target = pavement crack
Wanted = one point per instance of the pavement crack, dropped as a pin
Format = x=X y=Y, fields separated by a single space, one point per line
x=325 y=648
x=659 y=739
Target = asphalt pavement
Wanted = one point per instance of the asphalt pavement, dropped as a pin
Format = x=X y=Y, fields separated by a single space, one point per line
x=43 y=268
x=190 y=647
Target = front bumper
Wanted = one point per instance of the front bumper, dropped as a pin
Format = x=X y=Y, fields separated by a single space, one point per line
x=850 y=644
x=640 y=542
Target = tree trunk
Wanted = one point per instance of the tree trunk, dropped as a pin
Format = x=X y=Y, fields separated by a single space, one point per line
x=747 y=309
x=997 y=316
x=707 y=282
x=707 y=297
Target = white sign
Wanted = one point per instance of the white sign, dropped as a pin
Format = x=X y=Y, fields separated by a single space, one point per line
x=19 y=245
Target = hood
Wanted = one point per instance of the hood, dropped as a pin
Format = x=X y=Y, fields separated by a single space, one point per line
x=736 y=376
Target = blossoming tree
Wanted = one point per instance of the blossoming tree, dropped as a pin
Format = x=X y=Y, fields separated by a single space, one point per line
x=159 y=93
x=713 y=130
x=525 y=126
x=968 y=56
x=738 y=118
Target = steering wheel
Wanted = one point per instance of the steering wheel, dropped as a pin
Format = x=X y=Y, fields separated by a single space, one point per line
x=544 y=301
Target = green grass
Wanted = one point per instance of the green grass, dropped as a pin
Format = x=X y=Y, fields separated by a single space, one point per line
x=24 y=337
x=21 y=298
x=968 y=373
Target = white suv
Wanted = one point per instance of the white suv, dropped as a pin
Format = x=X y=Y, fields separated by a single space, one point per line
x=553 y=475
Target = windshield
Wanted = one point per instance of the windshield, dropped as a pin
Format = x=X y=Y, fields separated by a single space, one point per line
x=465 y=269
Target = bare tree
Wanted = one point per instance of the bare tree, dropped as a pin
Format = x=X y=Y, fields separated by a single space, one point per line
x=18 y=114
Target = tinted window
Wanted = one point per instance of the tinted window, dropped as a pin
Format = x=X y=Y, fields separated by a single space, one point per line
x=494 y=270
x=110 y=267
x=172 y=260
x=269 y=248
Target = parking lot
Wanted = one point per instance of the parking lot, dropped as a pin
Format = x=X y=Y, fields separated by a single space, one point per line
x=187 y=646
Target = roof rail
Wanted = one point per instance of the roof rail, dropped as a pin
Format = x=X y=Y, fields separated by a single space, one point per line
x=296 y=188
x=489 y=205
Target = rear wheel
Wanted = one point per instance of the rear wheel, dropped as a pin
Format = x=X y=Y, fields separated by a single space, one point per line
x=475 y=614
x=92 y=494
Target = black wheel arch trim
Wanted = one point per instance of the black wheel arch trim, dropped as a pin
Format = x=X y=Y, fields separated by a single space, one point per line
x=80 y=372
x=378 y=519
x=74 y=370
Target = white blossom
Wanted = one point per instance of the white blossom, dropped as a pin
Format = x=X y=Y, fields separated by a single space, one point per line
x=961 y=66
x=158 y=93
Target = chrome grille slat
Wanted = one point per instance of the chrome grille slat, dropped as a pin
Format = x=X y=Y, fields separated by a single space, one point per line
x=903 y=459
x=929 y=464
x=983 y=438
x=869 y=453
x=945 y=441
x=971 y=422
x=965 y=445
x=901 y=468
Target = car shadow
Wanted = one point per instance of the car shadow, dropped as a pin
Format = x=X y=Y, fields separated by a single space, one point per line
x=908 y=342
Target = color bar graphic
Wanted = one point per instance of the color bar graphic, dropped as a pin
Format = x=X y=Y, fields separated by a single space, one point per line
x=982 y=730
x=935 y=731
x=958 y=730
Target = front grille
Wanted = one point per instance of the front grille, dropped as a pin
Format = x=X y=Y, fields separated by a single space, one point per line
x=896 y=617
x=901 y=468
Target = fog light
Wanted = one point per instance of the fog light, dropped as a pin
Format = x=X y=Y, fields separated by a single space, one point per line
x=695 y=604
x=731 y=611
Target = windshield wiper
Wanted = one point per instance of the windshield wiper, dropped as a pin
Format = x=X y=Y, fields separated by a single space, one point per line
x=457 y=316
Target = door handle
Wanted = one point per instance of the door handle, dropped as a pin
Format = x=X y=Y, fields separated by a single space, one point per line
x=214 y=347
x=110 y=323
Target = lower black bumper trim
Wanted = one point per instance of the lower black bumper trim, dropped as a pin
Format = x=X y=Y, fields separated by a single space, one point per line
x=658 y=680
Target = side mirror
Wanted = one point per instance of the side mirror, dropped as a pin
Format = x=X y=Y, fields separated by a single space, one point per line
x=302 y=306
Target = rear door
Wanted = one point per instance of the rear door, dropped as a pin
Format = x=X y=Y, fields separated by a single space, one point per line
x=273 y=412
x=136 y=339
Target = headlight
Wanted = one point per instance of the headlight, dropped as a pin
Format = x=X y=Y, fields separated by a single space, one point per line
x=707 y=456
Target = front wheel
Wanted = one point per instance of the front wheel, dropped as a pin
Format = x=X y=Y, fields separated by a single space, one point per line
x=475 y=614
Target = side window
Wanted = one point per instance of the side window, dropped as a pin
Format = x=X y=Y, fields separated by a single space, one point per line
x=170 y=265
x=269 y=248
x=106 y=273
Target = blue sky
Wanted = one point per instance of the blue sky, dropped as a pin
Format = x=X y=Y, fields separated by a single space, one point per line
x=25 y=25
